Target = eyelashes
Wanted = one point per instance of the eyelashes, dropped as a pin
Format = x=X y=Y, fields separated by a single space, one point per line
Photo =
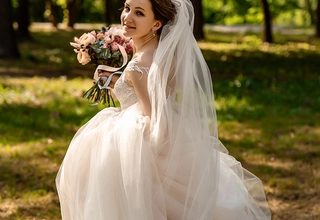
x=127 y=8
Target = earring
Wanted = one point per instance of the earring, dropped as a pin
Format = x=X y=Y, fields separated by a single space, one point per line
x=154 y=33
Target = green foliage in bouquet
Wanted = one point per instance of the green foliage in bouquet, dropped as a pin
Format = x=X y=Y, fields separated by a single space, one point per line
x=108 y=50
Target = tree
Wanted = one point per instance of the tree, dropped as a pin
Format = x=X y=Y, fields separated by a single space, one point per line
x=318 y=20
x=53 y=17
x=111 y=14
x=108 y=12
x=8 y=43
x=72 y=9
x=198 y=21
x=23 y=20
x=310 y=11
x=267 y=30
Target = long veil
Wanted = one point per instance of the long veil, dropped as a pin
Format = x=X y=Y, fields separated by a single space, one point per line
x=184 y=136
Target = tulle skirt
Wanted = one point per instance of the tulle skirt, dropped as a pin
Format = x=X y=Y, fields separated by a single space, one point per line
x=114 y=169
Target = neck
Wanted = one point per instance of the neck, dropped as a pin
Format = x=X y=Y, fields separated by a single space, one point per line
x=139 y=44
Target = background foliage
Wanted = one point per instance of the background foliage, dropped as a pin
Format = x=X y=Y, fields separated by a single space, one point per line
x=293 y=12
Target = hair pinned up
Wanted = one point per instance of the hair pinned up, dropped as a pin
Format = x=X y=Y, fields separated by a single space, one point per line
x=164 y=11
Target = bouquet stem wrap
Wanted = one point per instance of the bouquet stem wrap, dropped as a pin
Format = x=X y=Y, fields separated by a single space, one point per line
x=100 y=91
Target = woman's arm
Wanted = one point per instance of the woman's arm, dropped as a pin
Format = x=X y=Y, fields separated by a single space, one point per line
x=139 y=82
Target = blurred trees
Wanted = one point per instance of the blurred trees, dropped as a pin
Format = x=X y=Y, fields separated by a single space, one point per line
x=69 y=12
x=23 y=20
x=311 y=12
x=267 y=28
x=112 y=11
x=72 y=11
x=8 y=43
x=318 y=20
x=295 y=12
x=52 y=12
x=198 y=20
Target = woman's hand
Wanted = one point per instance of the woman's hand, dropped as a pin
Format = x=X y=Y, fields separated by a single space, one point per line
x=115 y=77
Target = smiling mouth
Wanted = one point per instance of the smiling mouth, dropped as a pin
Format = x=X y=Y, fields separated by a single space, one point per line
x=127 y=26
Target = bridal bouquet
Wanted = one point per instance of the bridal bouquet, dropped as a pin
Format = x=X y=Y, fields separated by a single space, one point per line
x=109 y=50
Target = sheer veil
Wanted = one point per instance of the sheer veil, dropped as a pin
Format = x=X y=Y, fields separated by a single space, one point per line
x=184 y=133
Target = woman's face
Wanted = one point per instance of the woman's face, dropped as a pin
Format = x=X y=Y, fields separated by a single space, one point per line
x=138 y=19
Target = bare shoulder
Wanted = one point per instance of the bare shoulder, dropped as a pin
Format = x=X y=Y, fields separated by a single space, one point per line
x=144 y=59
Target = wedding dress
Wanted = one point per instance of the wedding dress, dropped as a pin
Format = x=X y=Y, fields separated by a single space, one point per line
x=122 y=165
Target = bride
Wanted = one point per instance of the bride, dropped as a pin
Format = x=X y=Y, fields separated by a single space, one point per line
x=158 y=157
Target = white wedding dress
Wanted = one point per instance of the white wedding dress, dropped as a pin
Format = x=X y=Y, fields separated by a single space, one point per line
x=112 y=172
x=122 y=165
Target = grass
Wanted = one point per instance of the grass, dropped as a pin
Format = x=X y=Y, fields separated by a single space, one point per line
x=38 y=117
x=267 y=98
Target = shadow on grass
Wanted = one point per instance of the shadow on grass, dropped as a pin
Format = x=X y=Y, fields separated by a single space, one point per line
x=270 y=123
x=34 y=140
x=292 y=64
x=283 y=111
x=28 y=188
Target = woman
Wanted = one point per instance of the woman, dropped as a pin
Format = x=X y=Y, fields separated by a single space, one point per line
x=158 y=156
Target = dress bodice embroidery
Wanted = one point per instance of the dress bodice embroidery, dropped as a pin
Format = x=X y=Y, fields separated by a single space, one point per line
x=125 y=93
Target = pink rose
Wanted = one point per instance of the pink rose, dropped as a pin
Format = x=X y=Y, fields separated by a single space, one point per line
x=122 y=41
x=112 y=31
x=83 y=57
x=87 y=39
x=107 y=39
x=128 y=46
x=114 y=46
x=117 y=39
x=93 y=33
x=76 y=45
x=99 y=35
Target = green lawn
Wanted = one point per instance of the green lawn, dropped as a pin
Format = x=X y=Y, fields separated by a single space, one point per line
x=267 y=99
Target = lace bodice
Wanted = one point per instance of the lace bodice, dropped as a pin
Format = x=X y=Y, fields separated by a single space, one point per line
x=124 y=92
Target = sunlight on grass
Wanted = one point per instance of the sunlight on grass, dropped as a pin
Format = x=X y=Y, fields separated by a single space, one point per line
x=40 y=91
x=232 y=105
x=38 y=117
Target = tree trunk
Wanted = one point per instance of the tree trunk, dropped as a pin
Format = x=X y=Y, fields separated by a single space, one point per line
x=53 y=18
x=72 y=9
x=117 y=12
x=198 y=20
x=318 y=20
x=310 y=11
x=267 y=29
x=8 y=43
x=108 y=12
x=24 y=20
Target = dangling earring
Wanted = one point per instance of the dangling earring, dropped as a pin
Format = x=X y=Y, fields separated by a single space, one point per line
x=154 y=33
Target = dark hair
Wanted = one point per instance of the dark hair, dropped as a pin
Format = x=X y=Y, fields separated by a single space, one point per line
x=164 y=11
